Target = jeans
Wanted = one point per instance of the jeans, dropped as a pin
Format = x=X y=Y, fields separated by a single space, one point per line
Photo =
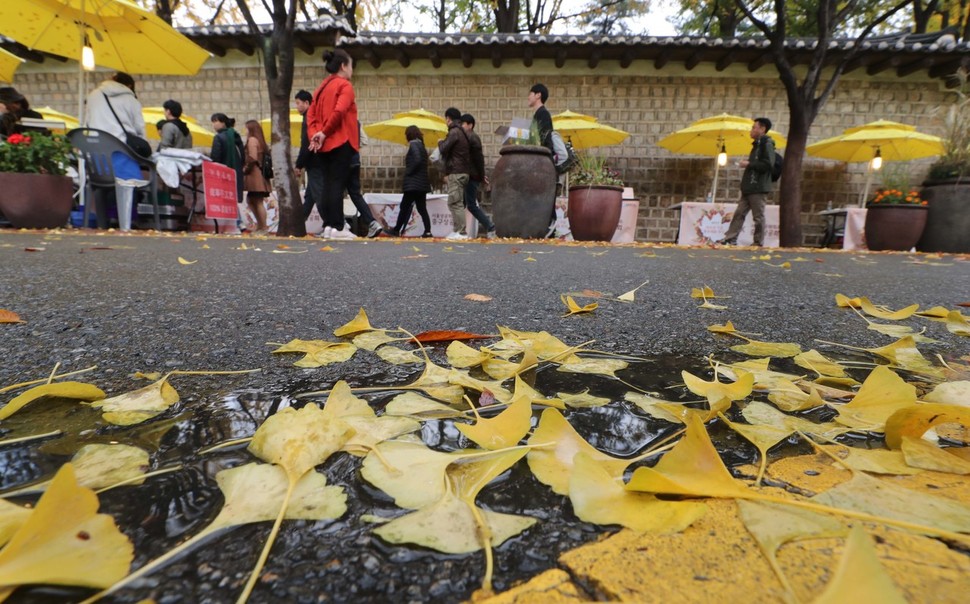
x=456 y=200
x=755 y=202
x=408 y=201
x=353 y=189
x=471 y=202
x=336 y=179
x=314 y=186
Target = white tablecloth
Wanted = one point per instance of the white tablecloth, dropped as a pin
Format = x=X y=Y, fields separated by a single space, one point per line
x=171 y=164
x=705 y=223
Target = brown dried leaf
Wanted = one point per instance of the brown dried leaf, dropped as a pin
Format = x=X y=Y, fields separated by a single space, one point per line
x=9 y=316
x=478 y=297
x=448 y=335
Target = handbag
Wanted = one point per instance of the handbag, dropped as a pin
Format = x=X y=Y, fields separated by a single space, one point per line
x=267 y=166
x=134 y=142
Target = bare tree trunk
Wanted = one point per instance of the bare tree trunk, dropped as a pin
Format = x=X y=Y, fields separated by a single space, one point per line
x=790 y=189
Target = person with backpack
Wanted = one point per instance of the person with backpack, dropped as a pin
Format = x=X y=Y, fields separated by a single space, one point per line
x=756 y=184
x=477 y=175
x=542 y=124
x=255 y=183
x=455 y=154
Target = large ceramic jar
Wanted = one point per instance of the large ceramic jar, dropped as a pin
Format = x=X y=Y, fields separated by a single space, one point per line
x=523 y=191
x=894 y=227
x=948 y=218
x=36 y=201
x=594 y=211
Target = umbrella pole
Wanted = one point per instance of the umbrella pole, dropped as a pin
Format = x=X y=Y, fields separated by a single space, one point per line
x=82 y=175
x=865 y=191
x=717 y=169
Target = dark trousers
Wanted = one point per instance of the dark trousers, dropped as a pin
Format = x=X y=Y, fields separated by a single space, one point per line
x=336 y=178
x=353 y=190
x=755 y=202
x=408 y=201
x=471 y=202
x=314 y=185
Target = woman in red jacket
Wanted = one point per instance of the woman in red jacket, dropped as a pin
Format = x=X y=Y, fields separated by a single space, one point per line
x=334 y=134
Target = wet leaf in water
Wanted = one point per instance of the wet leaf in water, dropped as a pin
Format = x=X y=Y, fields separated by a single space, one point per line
x=500 y=369
x=69 y=390
x=399 y=356
x=426 y=337
x=410 y=473
x=553 y=465
x=758 y=413
x=371 y=340
x=815 y=361
x=412 y=404
x=460 y=378
x=65 y=541
x=763 y=437
x=714 y=391
x=950 y=393
x=462 y=355
x=98 y=466
x=607 y=367
x=957 y=323
x=860 y=577
x=546 y=346
x=691 y=468
x=755 y=348
x=787 y=396
x=574 y=309
x=915 y=420
x=923 y=454
x=12 y=517
x=299 y=439
x=582 y=400
x=138 y=405
x=368 y=428
x=597 y=497
x=318 y=352
x=356 y=325
x=882 y=394
x=504 y=430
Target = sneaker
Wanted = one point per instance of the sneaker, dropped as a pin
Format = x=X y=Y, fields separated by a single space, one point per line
x=490 y=234
x=327 y=233
x=374 y=230
x=392 y=233
x=732 y=241
x=453 y=235
x=427 y=235
x=344 y=234
x=457 y=237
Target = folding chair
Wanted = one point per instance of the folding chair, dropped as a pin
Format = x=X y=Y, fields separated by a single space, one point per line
x=96 y=148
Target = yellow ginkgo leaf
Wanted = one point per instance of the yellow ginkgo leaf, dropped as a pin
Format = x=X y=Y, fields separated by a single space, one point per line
x=575 y=308
x=299 y=439
x=410 y=473
x=500 y=369
x=597 y=497
x=874 y=461
x=950 y=393
x=765 y=378
x=97 y=466
x=758 y=413
x=138 y=405
x=957 y=323
x=882 y=394
x=334 y=353
x=463 y=356
x=937 y=313
x=504 y=430
x=184 y=261
x=920 y=453
x=843 y=301
x=412 y=404
x=860 y=577
x=12 y=517
x=789 y=397
x=883 y=313
x=356 y=325
x=691 y=468
x=460 y=378
x=763 y=437
x=69 y=390
x=371 y=340
x=704 y=292
x=557 y=444
x=582 y=400
x=630 y=296
x=815 y=361
x=715 y=391
x=915 y=420
x=65 y=541
x=399 y=356
x=531 y=259
x=607 y=367
x=367 y=428
x=546 y=346
x=727 y=328
x=755 y=348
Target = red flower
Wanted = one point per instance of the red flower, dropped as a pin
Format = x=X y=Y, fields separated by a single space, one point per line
x=16 y=139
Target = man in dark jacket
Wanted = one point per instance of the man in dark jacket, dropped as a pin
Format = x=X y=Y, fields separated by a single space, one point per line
x=542 y=125
x=476 y=176
x=755 y=184
x=304 y=159
x=455 y=154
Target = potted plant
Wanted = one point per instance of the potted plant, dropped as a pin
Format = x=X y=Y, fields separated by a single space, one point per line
x=895 y=219
x=595 y=199
x=947 y=188
x=523 y=184
x=34 y=191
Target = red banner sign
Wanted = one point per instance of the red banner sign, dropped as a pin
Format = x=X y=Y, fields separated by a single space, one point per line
x=219 y=184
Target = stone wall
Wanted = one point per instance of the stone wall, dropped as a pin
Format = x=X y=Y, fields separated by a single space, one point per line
x=646 y=102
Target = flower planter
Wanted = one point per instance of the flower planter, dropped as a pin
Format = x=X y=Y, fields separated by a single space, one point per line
x=948 y=219
x=894 y=227
x=523 y=191
x=594 y=211
x=35 y=201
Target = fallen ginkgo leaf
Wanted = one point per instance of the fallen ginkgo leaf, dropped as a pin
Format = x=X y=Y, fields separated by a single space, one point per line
x=184 y=261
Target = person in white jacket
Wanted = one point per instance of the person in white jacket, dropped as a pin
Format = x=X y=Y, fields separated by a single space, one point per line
x=118 y=93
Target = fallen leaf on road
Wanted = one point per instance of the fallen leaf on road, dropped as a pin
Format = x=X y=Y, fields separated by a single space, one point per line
x=576 y=308
x=478 y=297
x=184 y=261
x=630 y=295
x=9 y=316
x=448 y=336
x=33 y=249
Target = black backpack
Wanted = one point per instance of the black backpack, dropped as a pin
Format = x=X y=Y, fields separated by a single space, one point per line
x=776 y=169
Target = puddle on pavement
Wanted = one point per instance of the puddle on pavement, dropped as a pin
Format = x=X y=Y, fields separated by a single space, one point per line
x=341 y=560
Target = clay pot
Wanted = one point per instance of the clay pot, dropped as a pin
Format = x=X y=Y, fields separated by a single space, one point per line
x=594 y=211
x=948 y=218
x=523 y=191
x=894 y=227
x=35 y=201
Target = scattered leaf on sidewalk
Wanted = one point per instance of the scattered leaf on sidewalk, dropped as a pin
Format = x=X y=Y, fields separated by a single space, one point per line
x=714 y=391
x=957 y=323
x=882 y=394
x=950 y=393
x=575 y=308
x=881 y=312
x=704 y=292
x=860 y=577
x=184 y=261
x=727 y=328
x=426 y=337
x=9 y=316
x=843 y=301
x=462 y=355
x=755 y=348
x=630 y=295
x=399 y=356
x=356 y=325
x=504 y=430
x=937 y=313
x=915 y=420
x=815 y=361
x=138 y=405
x=70 y=390
x=478 y=297
x=923 y=454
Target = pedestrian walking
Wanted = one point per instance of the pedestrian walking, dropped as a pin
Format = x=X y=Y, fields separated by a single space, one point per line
x=476 y=175
x=332 y=125
x=255 y=184
x=305 y=160
x=416 y=183
x=354 y=192
x=542 y=125
x=755 y=184
x=455 y=155
x=227 y=149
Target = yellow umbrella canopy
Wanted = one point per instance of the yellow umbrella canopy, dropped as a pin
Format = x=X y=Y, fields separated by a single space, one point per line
x=201 y=137
x=891 y=140
x=70 y=122
x=9 y=63
x=122 y=35
x=706 y=137
x=296 y=122
x=432 y=126
x=585 y=131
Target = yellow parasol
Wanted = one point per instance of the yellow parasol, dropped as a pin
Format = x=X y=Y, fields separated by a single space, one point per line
x=122 y=35
x=585 y=131
x=432 y=126
x=201 y=137
x=717 y=136
x=9 y=63
x=70 y=122
x=296 y=122
x=876 y=142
